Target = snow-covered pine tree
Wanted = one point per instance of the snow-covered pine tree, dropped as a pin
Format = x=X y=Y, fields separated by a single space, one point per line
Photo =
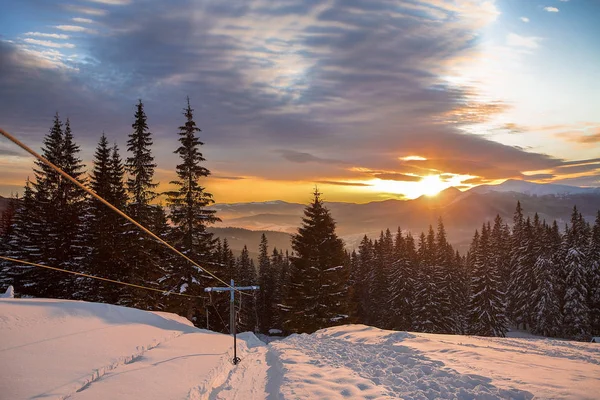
x=500 y=258
x=60 y=210
x=449 y=296
x=516 y=243
x=363 y=279
x=143 y=257
x=101 y=234
x=487 y=310
x=576 y=322
x=547 y=316
x=427 y=316
x=402 y=282
x=379 y=289
x=7 y=220
x=593 y=261
x=523 y=282
x=188 y=213
x=318 y=296
x=246 y=275
x=267 y=279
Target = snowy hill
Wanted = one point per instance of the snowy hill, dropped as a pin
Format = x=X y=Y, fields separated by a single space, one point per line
x=532 y=188
x=58 y=349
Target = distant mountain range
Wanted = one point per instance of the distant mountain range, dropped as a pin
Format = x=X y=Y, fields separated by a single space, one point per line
x=462 y=212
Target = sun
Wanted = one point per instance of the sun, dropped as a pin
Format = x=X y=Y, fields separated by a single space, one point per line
x=429 y=185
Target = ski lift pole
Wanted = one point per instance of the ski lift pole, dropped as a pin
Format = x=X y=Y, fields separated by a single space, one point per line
x=232 y=324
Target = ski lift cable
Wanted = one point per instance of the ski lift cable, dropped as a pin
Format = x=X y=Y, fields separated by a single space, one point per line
x=109 y=205
x=166 y=292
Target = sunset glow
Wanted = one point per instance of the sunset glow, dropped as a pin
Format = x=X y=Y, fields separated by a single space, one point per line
x=444 y=93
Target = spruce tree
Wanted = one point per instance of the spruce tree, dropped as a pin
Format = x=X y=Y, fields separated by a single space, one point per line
x=24 y=244
x=401 y=283
x=516 y=255
x=363 y=279
x=60 y=211
x=142 y=257
x=188 y=212
x=318 y=296
x=547 y=315
x=576 y=322
x=487 y=311
x=593 y=261
x=246 y=276
x=267 y=280
x=523 y=281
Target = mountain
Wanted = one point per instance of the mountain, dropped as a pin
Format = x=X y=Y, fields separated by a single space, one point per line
x=462 y=212
x=534 y=189
x=238 y=237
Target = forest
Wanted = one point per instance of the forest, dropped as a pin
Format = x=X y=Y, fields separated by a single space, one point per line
x=529 y=274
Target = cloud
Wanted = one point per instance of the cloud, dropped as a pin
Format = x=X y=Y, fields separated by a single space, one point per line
x=86 y=10
x=524 y=19
x=48 y=43
x=341 y=183
x=82 y=20
x=393 y=176
x=48 y=35
x=581 y=136
x=551 y=9
x=112 y=2
x=326 y=86
x=539 y=177
x=530 y=42
x=299 y=157
x=229 y=178
x=74 y=28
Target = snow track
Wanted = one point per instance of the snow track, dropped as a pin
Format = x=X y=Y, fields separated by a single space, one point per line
x=363 y=362
x=60 y=349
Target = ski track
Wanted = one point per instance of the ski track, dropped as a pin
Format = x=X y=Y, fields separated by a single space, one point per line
x=375 y=370
x=98 y=373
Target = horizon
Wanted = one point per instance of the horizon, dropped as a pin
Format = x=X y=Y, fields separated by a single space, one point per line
x=369 y=101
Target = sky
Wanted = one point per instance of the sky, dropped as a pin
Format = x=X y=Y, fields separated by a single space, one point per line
x=367 y=99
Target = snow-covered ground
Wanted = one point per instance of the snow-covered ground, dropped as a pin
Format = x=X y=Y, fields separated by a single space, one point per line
x=56 y=349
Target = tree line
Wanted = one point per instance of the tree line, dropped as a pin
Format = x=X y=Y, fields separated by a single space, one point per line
x=531 y=274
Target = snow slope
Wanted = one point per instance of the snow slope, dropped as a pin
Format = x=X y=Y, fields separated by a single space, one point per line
x=60 y=349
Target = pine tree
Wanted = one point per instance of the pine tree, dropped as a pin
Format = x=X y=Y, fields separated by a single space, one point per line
x=7 y=220
x=364 y=279
x=140 y=166
x=547 y=306
x=576 y=312
x=379 y=289
x=142 y=256
x=449 y=296
x=523 y=282
x=246 y=276
x=24 y=244
x=267 y=280
x=487 y=316
x=188 y=212
x=593 y=261
x=319 y=296
x=60 y=210
x=427 y=316
x=402 y=283
x=516 y=249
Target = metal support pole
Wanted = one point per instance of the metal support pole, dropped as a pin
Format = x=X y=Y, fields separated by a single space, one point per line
x=232 y=316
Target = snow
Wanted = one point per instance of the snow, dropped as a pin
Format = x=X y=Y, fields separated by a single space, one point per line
x=79 y=350
x=9 y=294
